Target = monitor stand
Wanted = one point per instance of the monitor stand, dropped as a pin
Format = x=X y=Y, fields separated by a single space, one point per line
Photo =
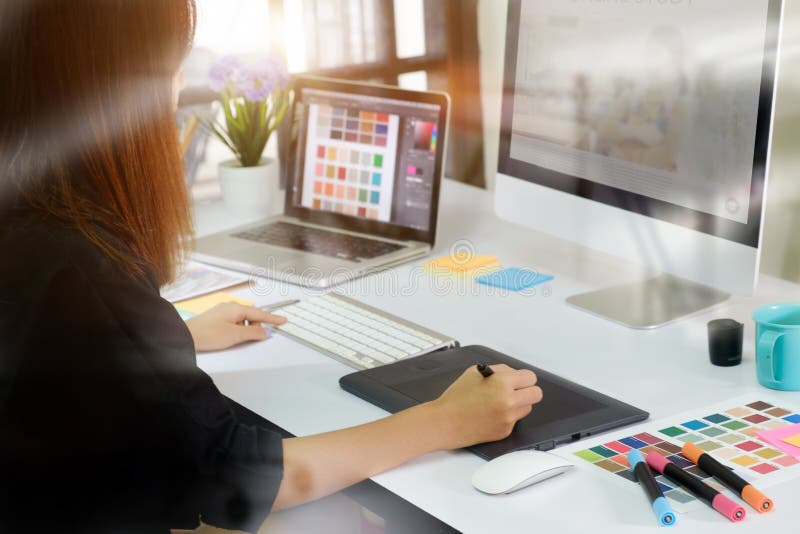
x=650 y=303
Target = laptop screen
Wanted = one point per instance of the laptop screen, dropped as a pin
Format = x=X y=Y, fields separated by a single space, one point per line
x=368 y=157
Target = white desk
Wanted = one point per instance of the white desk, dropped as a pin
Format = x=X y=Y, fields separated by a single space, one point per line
x=297 y=388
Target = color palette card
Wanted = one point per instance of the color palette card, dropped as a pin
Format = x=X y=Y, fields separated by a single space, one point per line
x=727 y=431
x=350 y=161
x=462 y=263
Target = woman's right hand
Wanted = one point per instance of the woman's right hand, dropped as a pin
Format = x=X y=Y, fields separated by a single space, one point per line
x=475 y=409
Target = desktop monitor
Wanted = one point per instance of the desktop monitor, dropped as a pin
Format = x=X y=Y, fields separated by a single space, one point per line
x=642 y=129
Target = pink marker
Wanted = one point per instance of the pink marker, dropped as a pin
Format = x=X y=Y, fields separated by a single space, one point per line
x=699 y=489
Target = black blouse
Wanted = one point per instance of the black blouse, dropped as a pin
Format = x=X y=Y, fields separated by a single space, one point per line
x=106 y=422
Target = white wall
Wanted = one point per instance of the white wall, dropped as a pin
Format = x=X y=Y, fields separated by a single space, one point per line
x=781 y=250
x=491 y=36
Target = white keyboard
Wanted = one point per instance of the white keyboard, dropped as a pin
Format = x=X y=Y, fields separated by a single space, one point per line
x=356 y=334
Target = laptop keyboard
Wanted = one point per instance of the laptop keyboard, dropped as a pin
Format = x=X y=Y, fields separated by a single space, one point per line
x=316 y=241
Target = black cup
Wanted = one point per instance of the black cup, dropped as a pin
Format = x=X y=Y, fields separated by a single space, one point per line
x=725 y=342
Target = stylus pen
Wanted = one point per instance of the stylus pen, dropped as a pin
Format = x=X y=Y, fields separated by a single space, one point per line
x=645 y=477
x=697 y=487
x=484 y=369
x=276 y=305
x=746 y=491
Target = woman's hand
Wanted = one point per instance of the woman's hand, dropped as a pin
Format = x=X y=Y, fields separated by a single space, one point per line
x=223 y=326
x=476 y=409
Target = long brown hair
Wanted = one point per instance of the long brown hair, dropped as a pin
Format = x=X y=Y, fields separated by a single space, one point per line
x=87 y=125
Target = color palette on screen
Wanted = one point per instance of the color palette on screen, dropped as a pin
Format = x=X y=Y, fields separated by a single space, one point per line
x=352 y=125
x=414 y=171
x=729 y=436
x=425 y=136
x=348 y=180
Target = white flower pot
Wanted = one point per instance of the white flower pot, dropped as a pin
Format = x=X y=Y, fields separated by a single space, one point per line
x=251 y=190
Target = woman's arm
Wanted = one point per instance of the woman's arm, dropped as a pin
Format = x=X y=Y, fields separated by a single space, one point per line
x=472 y=410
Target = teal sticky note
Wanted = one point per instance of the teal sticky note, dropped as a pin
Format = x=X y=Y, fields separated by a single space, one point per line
x=514 y=279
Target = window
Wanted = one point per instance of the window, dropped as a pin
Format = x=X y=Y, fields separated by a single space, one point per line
x=417 y=44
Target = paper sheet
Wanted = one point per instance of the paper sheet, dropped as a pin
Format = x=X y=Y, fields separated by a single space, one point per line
x=793 y=440
x=779 y=438
x=196 y=279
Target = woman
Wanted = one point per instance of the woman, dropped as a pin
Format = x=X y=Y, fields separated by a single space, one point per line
x=106 y=422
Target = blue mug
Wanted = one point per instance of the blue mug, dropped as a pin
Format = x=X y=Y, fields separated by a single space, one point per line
x=778 y=346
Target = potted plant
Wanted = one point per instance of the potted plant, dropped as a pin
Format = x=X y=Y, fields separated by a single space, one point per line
x=254 y=97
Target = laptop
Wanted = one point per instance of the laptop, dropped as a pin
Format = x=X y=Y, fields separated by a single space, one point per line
x=362 y=191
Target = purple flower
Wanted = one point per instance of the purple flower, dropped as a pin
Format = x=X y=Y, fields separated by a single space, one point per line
x=253 y=89
x=255 y=81
x=271 y=70
x=259 y=79
x=224 y=72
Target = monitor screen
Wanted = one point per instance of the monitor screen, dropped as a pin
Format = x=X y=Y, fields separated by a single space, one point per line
x=657 y=107
x=367 y=157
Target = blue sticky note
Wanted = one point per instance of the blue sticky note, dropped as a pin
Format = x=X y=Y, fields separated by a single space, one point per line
x=514 y=279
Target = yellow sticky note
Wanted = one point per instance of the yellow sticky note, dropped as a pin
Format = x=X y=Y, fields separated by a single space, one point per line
x=460 y=263
x=206 y=302
x=793 y=440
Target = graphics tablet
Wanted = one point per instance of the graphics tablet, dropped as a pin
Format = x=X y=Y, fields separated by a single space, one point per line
x=568 y=412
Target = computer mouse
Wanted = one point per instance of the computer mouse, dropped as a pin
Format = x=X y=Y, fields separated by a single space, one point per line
x=517 y=470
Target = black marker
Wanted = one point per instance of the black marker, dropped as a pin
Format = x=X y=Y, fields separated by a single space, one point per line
x=697 y=487
x=484 y=369
x=645 y=478
x=743 y=488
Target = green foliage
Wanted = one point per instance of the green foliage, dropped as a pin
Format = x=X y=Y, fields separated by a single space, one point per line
x=248 y=125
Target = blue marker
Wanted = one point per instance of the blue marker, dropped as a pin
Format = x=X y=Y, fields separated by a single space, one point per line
x=643 y=474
